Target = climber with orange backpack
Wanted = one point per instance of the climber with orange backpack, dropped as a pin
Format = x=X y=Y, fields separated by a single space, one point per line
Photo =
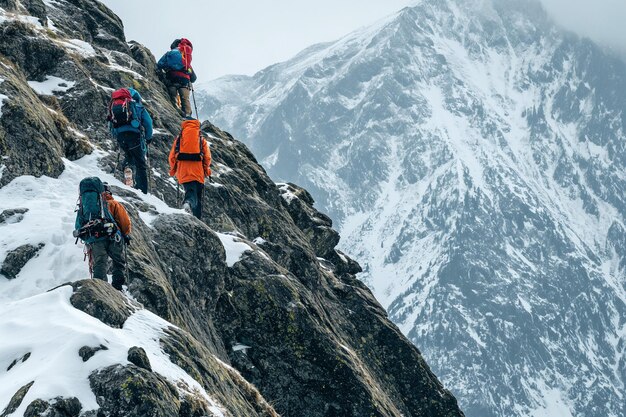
x=190 y=163
x=179 y=74
x=131 y=124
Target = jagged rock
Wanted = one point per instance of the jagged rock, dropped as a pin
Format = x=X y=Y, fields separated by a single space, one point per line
x=13 y=215
x=59 y=407
x=17 y=258
x=87 y=352
x=100 y=300
x=137 y=356
x=17 y=399
x=134 y=392
x=20 y=360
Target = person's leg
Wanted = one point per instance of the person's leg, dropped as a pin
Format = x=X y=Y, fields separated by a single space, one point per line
x=173 y=92
x=116 y=252
x=121 y=141
x=100 y=259
x=141 y=167
x=197 y=210
x=184 y=100
x=190 y=194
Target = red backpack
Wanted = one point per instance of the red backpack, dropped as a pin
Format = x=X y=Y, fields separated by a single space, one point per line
x=186 y=49
x=120 y=108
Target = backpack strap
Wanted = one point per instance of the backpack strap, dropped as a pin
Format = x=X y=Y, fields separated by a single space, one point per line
x=177 y=148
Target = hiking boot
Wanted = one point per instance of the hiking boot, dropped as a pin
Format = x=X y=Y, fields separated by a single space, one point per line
x=187 y=207
x=128 y=177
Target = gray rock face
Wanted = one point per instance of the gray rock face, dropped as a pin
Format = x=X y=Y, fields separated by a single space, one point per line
x=137 y=356
x=16 y=400
x=100 y=300
x=472 y=155
x=12 y=216
x=17 y=258
x=319 y=343
x=59 y=407
x=87 y=352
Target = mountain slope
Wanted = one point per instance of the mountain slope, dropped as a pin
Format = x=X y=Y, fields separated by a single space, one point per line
x=474 y=157
x=251 y=312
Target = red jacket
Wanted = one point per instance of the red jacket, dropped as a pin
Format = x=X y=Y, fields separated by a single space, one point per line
x=188 y=171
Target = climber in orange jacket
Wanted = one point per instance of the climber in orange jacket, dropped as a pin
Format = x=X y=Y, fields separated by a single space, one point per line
x=190 y=163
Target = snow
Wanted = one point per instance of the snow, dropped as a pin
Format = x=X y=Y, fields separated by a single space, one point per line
x=50 y=220
x=241 y=347
x=285 y=192
x=2 y=99
x=234 y=247
x=51 y=85
x=4 y=16
x=259 y=241
x=81 y=47
x=49 y=328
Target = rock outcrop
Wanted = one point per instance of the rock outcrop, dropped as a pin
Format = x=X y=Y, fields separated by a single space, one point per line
x=282 y=328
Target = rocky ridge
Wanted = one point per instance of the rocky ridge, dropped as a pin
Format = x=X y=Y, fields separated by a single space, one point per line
x=283 y=327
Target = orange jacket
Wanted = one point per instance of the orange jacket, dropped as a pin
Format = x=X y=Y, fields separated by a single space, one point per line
x=119 y=214
x=188 y=171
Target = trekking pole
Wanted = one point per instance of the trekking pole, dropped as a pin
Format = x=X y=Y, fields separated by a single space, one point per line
x=193 y=95
x=148 y=163
x=126 y=262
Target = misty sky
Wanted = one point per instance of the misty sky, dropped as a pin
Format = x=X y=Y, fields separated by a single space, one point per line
x=244 y=36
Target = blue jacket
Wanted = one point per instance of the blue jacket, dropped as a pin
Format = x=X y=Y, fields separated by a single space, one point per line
x=143 y=116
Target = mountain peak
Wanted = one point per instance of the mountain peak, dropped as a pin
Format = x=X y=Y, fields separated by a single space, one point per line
x=471 y=154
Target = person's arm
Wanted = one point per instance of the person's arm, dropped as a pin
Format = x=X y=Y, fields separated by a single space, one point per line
x=162 y=64
x=146 y=122
x=121 y=217
x=79 y=220
x=206 y=162
x=172 y=159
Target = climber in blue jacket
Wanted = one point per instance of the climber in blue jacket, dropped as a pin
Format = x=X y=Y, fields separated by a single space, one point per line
x=131 y=125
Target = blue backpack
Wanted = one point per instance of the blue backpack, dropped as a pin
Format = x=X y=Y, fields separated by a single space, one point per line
x=174 y=60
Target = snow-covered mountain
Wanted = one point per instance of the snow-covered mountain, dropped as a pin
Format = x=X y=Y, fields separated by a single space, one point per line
x=473 y=154
x=250 y=311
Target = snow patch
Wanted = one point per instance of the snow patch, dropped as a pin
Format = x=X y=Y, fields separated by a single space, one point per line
x=51 y=85
x=234 y=247
x=82 y=48
x=52 y=331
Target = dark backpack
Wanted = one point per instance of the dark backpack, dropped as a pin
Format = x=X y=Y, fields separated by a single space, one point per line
x=95 y=219
x=122 y=109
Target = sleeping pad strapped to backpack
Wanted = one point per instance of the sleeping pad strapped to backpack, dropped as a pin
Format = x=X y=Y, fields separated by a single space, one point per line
x=95 y=220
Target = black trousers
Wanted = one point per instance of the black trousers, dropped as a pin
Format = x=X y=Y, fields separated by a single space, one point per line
x=134 y=149
x=194 y=192
x=101 y=251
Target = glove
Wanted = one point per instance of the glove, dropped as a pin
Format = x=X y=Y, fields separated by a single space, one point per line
x=149 y=141
x=127 y=240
